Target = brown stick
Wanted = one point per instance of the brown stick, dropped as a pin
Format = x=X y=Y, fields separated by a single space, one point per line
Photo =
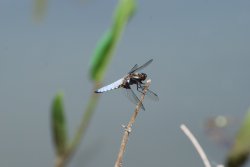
x=128 y=128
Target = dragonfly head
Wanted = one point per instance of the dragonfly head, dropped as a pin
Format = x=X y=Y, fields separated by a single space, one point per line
x=143 y=76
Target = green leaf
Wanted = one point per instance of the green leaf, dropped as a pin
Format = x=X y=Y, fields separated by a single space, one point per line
x=106 y=46
x=101 y=56
x=40 y=8
x=58 y=122
x=123 y=13
x=241 y=148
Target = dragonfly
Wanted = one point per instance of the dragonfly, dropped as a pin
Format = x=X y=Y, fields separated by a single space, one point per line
x=132 y=78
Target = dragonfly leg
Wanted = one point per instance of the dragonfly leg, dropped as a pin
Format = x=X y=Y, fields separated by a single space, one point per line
x=139 y=86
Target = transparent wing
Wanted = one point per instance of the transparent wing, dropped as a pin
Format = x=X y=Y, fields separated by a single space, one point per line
x=133 y=98
x=152 y=95
x=132 y=69
x=136 y=68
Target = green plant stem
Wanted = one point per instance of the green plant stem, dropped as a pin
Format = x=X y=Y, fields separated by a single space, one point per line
x=61 y=160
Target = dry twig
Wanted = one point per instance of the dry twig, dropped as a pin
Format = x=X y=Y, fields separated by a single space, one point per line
x=128 y=128
x=196 y=145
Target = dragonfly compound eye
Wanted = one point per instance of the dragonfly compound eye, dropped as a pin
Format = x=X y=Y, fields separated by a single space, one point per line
x=144 y=76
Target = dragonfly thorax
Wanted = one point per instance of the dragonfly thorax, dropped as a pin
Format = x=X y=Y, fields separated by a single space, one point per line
x=135 y=78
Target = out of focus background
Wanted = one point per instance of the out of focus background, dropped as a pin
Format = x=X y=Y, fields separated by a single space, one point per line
x=200 y=70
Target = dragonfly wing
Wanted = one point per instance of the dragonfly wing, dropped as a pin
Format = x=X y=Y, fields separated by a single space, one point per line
x=112 y=86
x=141 y=67
x=152 y=95
x=132 y=69
x=133 y=98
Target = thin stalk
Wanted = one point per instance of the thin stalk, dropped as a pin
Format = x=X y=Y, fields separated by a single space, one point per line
x=62 y=160
x=196 y=144
x=128 y=128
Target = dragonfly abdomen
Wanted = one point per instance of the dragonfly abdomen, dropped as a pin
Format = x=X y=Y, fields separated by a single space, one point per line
x=114 y=85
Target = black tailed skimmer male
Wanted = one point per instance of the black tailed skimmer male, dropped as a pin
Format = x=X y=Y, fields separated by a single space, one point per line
x=132 y=78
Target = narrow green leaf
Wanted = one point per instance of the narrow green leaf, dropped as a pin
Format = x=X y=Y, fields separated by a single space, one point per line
x=58 y=122
x=106 y=46
x=101 y=56
x=40 y=8
x=241 y=148
x=123 y=14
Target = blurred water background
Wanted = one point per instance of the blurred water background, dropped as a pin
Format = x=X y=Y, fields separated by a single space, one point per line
x=200 y=70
